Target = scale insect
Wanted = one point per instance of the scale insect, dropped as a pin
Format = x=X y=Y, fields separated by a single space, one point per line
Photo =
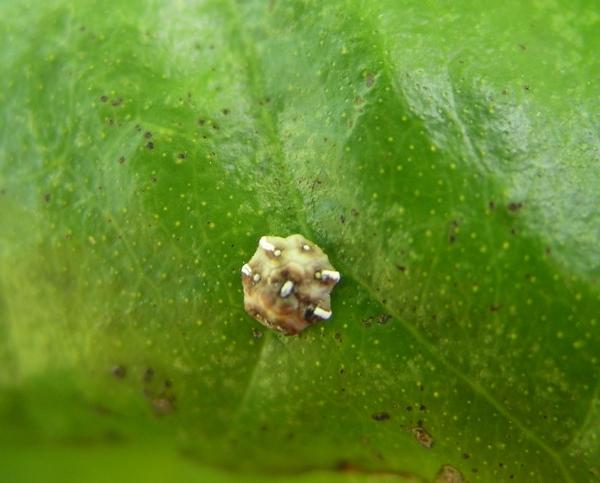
x=287 y=283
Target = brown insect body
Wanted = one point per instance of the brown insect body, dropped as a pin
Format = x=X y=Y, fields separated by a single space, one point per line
x=287 y=283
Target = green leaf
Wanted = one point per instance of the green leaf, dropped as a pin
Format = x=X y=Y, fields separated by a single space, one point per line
x=446 y=157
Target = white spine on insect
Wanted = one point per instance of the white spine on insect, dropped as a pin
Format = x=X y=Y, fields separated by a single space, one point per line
x=287 y=283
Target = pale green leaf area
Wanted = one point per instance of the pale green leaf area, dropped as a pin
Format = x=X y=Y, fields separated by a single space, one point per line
x=446 y=155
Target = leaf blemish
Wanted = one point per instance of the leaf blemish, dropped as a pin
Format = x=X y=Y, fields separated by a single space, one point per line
x=449 y=474
x=515 y=206
x=422 y=436
x=119 y=371
x=381 y=416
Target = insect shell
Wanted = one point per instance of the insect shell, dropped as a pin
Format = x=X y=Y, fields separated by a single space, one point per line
x=287 y=284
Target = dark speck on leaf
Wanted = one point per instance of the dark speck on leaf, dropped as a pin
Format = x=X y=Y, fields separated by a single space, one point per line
x=147 y=134
x=119 y=372
x=257 y=334
x=47 y=197
x=201 y=122
x=342 y=219
x=466 y=456
x=150 y=145
x=117 y=102
x=215 y=126
x=103 y=98
x=182 y=155
x=514 y=206
x=402 y=268
x=382 y=416
x=225 y=111
x=383 y=319
x=121 y=159
x=148 y=374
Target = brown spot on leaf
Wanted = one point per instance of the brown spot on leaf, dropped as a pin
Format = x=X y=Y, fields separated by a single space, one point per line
x=119 y=372
x=422 y=436
x=515 y=206
x=449 y=474
x=162 y=405
x=381 y=416
x=383 y=319
x=148 y=375
x=453 y=231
